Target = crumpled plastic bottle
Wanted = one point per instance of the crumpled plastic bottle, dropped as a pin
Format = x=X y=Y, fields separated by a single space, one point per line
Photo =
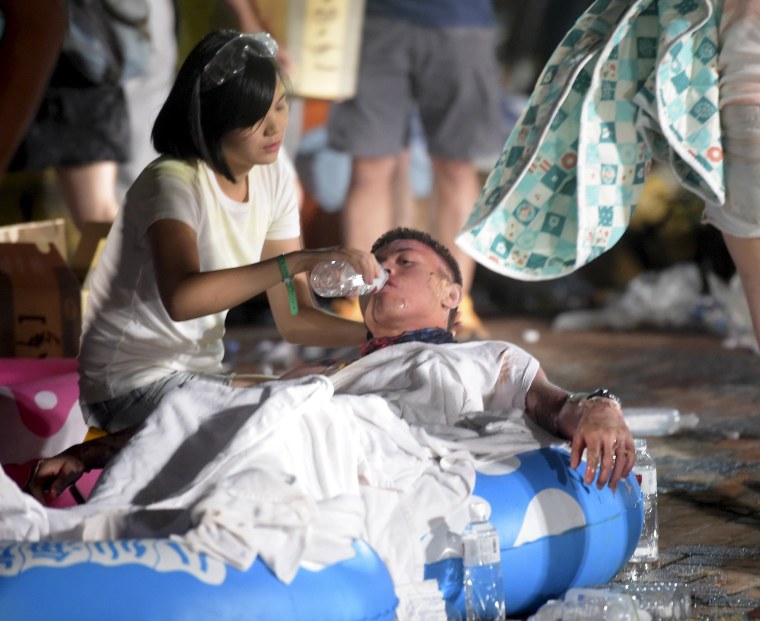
x=636 y=601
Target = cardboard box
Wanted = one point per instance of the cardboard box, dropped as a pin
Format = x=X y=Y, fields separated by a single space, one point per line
x=323 y=38
x=40 y=295
x=40 y=233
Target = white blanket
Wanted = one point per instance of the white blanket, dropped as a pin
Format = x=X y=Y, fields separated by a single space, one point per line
x=293 y=471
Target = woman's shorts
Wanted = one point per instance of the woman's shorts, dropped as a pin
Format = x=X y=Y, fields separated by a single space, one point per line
x=76 y=126
x=740 y=215
x=134 y=407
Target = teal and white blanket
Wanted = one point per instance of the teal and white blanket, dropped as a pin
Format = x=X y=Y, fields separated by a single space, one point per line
x=633 y=81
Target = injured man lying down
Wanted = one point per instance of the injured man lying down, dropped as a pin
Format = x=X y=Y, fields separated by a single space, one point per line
x=378 y=448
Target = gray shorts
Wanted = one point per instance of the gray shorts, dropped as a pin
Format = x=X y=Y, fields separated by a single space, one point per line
x=134 y=407
x=450 y=75
x=740 y=216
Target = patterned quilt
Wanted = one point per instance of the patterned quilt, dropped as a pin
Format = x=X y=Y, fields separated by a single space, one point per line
x=633 y=81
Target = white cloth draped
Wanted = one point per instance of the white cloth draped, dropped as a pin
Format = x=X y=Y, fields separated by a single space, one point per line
x=294 y=471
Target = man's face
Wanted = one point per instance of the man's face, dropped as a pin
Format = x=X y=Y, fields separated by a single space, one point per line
x=418 y=293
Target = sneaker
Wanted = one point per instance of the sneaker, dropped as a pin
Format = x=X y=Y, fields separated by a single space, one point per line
x=469 y=327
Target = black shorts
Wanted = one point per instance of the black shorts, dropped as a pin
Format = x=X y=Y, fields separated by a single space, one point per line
x=74 y=126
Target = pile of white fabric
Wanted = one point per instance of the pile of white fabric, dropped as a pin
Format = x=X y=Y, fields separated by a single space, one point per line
x=294 y=471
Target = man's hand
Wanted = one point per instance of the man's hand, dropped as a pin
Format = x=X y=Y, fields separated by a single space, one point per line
x=602 y=432
x=595 y=425
x=52 y=476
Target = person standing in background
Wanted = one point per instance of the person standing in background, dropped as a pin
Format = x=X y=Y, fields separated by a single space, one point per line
x=147 y=92
x=30 y=41
x=81 y=128
x=738 y=218
x=440 y=57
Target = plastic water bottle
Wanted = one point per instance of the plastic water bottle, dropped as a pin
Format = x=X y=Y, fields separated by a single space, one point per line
x=645 y=469
x=643 y=601
x=337 y=279
x=584 y=604
x=658 y=421
x=664 y=601
x=483 y=583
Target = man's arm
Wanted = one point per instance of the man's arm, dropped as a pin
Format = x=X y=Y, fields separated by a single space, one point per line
x=249 y=18
x=29 y=48
x=595 y=425
x=52 y=476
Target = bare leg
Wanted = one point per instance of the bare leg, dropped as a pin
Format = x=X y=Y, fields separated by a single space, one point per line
x=147 y=92
x=368 y=212
x=745 y=251
x=404 y=206
x=89 y=191
x=455 y=190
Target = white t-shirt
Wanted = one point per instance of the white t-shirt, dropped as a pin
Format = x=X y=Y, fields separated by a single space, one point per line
x=739 y=60
x=448 y=379
x=128 y=339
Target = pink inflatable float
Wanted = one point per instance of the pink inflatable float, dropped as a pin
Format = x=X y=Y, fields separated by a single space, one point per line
x=40 y=416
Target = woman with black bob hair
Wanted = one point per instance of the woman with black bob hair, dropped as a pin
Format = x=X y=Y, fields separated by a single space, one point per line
x=209 y=224
x=203 y=106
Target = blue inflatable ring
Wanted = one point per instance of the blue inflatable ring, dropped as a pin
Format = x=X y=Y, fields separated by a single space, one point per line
x=591 y=535
x=159 y=579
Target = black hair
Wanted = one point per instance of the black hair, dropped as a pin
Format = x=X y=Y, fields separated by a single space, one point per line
x=407 y=233
x=192 y=122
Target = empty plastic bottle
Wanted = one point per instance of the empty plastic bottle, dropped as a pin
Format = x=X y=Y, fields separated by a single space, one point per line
x=584 y=604
x=337 y=279
x=658 y=421
x=636 y=601
x=645 y=469
x=483 y=583
x=664 y=601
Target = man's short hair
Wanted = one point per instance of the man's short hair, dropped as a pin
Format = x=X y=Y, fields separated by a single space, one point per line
x=425 y=238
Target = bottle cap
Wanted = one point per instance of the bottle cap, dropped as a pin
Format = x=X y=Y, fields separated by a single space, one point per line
x=480 y=510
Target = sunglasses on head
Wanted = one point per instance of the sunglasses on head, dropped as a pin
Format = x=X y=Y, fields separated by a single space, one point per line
x=233 y=55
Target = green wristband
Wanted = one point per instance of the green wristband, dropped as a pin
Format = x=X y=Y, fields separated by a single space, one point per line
x=288 y=280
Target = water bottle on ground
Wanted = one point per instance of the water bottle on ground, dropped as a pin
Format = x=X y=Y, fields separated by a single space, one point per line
x=483 y=583
x=645 y=470
x=639 y=601
x=658 y=421
x=337 y=279
x=589 y=604
x=664 y=601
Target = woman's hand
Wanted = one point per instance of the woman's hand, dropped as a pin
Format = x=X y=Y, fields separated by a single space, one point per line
x=312 y=325
x=364 y=263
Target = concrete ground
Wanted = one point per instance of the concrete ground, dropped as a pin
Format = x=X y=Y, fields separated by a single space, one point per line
x=708 y=475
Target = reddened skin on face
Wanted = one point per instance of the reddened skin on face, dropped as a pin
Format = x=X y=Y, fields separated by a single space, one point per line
x=420 y=291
